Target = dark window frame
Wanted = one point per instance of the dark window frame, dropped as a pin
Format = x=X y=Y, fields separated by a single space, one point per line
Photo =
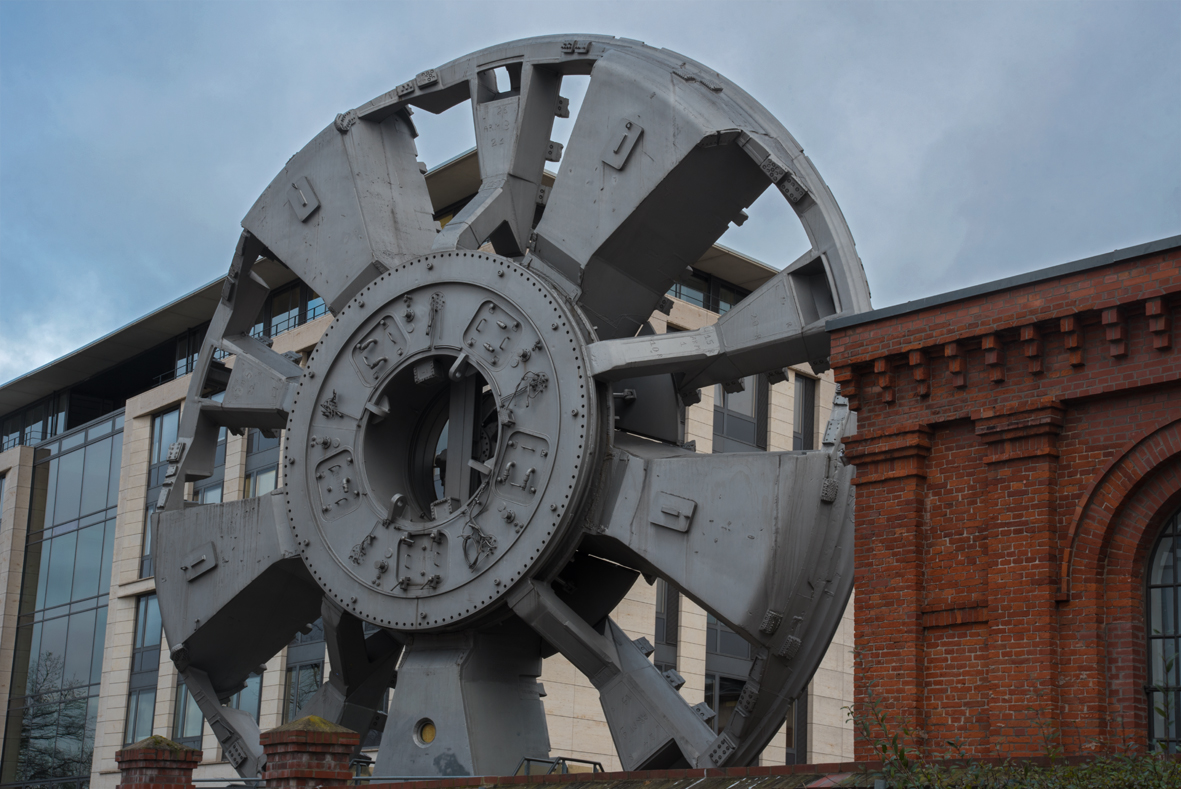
x=1163 y=638
x=308 y=307
x=803 y=431
x=145 y=667
x=735 y=431
x=157 y=469
x=705 y=290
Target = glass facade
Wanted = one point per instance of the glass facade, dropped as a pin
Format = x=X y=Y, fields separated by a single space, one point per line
x=706 y=291
x=49 y=735
x=287 y=308
x=164 y=431
x=35 y=423
x=1164 y=638
x=145 y=670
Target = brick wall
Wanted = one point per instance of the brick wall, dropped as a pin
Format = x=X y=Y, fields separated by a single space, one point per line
x=1017 y=452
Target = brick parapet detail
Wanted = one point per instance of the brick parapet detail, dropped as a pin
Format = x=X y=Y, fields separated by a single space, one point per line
x=1016 y=433
x=889 y=454
x=157 y=763
x=310 y=752
x=1088 y=293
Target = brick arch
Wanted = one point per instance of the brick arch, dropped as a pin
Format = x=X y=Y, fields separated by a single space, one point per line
x=1089 y=530
x=1111 y=532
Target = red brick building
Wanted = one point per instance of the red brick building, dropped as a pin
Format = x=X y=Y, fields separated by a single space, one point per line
x=1018 y=466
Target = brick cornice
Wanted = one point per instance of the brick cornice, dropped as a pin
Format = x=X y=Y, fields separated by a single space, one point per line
x=1013 y=432
x=891 y=453
x=1085 y=295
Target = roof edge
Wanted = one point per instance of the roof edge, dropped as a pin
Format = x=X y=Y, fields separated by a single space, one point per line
x=1038 y=275
x=112 y=333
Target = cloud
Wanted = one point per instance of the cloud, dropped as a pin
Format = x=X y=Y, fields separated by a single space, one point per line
x=963 y=141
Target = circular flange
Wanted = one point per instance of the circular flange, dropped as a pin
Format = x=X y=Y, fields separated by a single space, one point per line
x=366 y=478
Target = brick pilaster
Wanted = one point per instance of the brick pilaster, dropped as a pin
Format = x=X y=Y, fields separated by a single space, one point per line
x=309 y=752
x=157 y=763
x=891 y=494
x=1022 y=462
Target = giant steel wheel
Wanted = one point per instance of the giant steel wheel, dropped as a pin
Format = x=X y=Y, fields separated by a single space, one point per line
x=462 y=467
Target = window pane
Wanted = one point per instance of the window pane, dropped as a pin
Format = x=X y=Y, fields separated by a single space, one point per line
x=61 y=570
x=740 y=429
x=249 y=699
x=164 y=434
x=145 y=704
x=69 y=487
x=79 y=644
x=730 y=643
x=211 y=495
x=51 y=659
x=727 y=298
x=96 y=477
x=152 y=626
x=804 y=427
x=192 y=718
x=728 y=692
x=88 y=567
x=264 y=481
x=743 y=402
x=316 y=307
x=1162 y=567
x=302 y=683
x=284 y=311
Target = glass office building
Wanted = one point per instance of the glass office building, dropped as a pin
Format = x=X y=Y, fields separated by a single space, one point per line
x=62 y=621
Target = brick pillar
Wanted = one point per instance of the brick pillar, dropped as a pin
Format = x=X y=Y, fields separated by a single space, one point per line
x=157 y=763
x=306 y=753
x=1022 y=459
x=891 y=485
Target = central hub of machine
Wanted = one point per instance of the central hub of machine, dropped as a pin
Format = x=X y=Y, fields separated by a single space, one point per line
x=440 y=441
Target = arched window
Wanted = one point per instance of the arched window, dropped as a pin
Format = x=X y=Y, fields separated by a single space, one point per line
x=1164 y=637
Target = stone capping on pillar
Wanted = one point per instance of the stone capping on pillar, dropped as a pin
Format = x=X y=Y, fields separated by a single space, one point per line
x=156 y=762
x=308 y=752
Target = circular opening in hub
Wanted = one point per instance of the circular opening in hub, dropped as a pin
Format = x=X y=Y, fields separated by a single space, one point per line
x=424 y=732
x=417 y=424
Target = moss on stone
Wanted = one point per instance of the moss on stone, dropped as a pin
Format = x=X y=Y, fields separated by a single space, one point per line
x=314 y=723
x=156 y=742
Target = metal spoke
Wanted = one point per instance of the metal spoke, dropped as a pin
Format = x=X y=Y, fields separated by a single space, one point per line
x=629 y=686
x=226 y=574
x=775 y=574
x=362 y=673
x=512 y=142
x=349 y=206
x=638 y=198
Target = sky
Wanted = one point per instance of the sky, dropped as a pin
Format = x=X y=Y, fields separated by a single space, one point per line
x=964 y=141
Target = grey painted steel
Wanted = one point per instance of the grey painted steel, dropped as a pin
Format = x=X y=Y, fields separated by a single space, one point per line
x=453 y=471
x=480 y=691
